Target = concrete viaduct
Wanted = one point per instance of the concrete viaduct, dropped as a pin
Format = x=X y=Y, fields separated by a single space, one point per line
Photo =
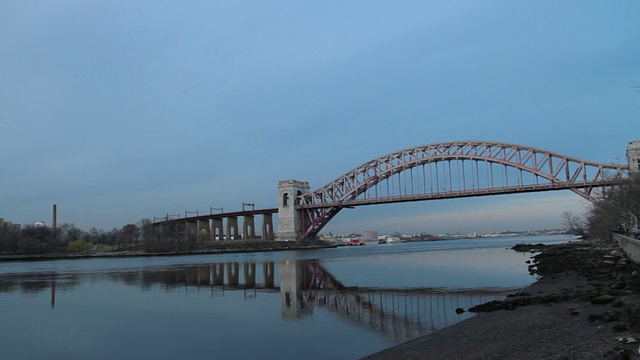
x=223 y=226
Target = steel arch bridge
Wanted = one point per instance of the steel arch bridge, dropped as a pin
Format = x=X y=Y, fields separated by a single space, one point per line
x=451 y=170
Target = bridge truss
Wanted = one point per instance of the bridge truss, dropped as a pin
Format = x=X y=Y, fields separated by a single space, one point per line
x=452 y=170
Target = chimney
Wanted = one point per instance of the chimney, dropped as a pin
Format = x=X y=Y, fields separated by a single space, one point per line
x=55 y=221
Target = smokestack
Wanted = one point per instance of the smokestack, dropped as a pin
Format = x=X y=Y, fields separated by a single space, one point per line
x=55 y=221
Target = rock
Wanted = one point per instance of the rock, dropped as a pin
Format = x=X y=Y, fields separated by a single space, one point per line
x=617 y=303
x=620 y=328
x=617 y=285
x=606 y=316
x=627 y=340
x=460 y=311
x=487 y=307
x=617 y=355
x=602 y=299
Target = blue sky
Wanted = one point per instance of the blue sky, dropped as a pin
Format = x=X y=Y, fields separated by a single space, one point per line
x=120 y=110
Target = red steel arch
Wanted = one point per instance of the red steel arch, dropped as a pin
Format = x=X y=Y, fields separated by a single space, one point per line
x=480 y=168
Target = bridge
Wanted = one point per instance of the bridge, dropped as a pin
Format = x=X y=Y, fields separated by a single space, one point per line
x=428 y=172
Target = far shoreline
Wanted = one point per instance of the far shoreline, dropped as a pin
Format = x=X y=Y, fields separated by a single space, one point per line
x=225 y=248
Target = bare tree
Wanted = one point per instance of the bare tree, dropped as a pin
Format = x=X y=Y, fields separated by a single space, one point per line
x=615 y=207
x=129 y=234
x=575 y=223
x=69 y=232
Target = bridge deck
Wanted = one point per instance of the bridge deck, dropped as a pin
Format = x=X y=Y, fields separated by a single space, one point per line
x=220 y=215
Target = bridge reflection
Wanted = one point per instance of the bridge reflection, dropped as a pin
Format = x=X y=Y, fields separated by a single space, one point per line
x=304 y=287
x=400 y=314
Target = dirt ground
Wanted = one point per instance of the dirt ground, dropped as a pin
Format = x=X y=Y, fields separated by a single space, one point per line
x=586 y=305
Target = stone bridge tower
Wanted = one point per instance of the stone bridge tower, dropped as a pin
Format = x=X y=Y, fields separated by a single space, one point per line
x=633 y=156
x=289 y=221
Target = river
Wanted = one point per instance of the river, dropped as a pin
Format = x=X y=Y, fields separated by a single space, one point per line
x=341 y=303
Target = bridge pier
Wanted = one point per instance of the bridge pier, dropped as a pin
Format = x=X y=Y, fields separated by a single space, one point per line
x=267 y=227
x=217 y=229
x=204 y=230
x=248 y=227
x=289 y=218
x=190 y=231
x=232 y=228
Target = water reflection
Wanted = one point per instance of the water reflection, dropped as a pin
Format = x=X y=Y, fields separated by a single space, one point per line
x=304 y=286
x=400 y=314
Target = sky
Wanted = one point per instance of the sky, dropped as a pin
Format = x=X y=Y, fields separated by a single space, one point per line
x=123 y=110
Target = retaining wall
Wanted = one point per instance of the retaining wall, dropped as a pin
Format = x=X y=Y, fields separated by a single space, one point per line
x=630 y=246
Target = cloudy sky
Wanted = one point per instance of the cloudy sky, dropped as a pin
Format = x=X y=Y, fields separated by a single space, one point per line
x=121 y=110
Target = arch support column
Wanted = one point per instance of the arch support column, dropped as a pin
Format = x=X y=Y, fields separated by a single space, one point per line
x=633 y=156
x=289 y=219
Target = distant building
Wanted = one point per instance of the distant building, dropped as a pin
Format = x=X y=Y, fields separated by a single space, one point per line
x=370 y=236
x=7 y=226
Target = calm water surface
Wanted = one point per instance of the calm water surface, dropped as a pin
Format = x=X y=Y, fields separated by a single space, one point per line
x=333 y=303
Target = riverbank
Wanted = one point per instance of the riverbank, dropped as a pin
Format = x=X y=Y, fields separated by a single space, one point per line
x=585 y=305
x=221 y=247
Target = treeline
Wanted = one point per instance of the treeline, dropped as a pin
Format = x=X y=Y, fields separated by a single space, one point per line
x=40 y=239
x=67 y=238
x=617 y=210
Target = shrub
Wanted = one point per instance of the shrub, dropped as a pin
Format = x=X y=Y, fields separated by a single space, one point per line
x=79 y=245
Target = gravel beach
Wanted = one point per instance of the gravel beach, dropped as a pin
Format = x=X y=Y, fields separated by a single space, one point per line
x=585 y=305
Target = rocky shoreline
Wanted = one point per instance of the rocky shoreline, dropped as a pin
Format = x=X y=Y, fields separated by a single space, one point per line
x=585 y=305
